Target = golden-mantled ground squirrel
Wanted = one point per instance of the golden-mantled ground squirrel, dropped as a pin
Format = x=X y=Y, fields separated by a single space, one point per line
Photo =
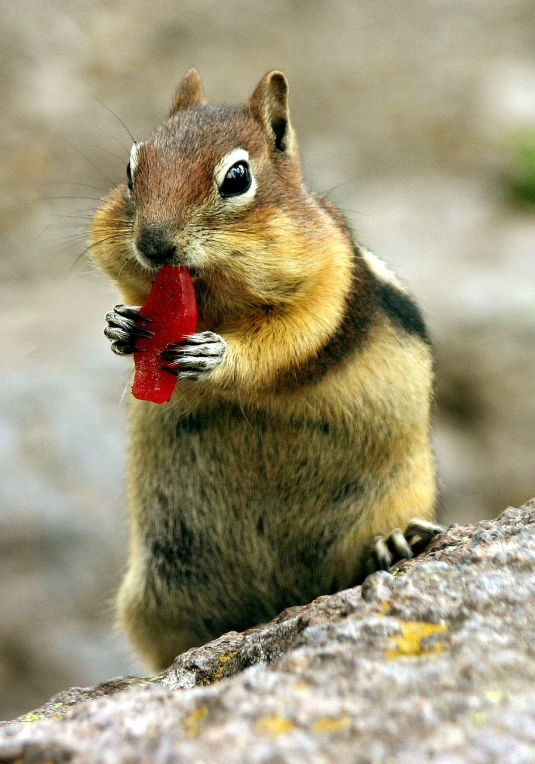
x=296 y=443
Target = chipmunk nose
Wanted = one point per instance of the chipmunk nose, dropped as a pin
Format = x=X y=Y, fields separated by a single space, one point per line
x=155 y=243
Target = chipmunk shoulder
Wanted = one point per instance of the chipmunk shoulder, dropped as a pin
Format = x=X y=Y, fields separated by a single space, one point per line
x=295 y=451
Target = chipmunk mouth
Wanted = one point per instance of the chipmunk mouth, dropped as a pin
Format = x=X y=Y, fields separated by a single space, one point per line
x=154 y=263
x=153 y=248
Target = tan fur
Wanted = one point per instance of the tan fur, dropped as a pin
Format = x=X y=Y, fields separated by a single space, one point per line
x=262 y=486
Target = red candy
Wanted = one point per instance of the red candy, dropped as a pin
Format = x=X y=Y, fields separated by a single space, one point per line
x=173 y=312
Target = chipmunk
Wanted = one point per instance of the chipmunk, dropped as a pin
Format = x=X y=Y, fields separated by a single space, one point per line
x=296 y=445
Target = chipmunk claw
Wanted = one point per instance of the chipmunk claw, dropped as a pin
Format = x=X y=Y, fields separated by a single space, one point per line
x=123 y=328
x=397 y=546
x=420 y=533
x=195 y=357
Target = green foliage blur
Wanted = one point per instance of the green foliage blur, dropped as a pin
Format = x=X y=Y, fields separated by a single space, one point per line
x=521 y=175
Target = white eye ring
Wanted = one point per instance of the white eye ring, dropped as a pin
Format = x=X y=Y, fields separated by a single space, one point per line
x=224 y=165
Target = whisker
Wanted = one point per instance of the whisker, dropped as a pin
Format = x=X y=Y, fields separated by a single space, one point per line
x=69 y=238
x=112 y=237
x=68 y=217
x=50 y=198
x=116 y=117
x=72 y=183
x=74 y=212
x=45 y=229
x=110 y=135
x=340 y=185
x=127 y=387
x=123 y=266
x=347 y=211
x=127 y=261
x=93 y=164
x=113 y=154
x=66 y=220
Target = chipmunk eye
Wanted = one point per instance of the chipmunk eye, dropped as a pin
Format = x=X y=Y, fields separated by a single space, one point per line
x=237 y=180
x=129 y=176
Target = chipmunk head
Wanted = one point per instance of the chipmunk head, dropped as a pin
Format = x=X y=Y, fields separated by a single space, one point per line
x=217 y=190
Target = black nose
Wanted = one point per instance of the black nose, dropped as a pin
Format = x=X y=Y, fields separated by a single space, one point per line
x=155 y=243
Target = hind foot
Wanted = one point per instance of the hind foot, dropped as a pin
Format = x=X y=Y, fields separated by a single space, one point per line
x=385 y=552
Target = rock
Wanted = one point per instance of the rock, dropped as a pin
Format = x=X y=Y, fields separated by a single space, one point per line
x=404 y=112
x=435 y=662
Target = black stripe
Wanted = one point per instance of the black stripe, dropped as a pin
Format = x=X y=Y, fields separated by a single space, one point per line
x=367 y=300
x=360 y=306
x=401 y=310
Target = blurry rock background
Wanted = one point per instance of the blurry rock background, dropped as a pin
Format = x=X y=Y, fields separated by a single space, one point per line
x=420 y=116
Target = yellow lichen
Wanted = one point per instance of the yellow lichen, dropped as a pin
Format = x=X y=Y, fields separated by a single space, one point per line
x=218 y=673
x=299 y=686
x=494 y=696
x=30 y=718
x=330 y=724
x=227 y=657
x=191 y=723
x=275 y=725
x=410 y=640
x=143 y=682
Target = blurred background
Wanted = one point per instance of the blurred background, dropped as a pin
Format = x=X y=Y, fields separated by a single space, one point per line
x=418 y=117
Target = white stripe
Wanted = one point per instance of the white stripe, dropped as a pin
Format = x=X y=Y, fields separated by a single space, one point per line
x=133 y=157
x=381 y=269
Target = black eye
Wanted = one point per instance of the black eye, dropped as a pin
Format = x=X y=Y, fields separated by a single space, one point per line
x=129 y=176
x=237 y=180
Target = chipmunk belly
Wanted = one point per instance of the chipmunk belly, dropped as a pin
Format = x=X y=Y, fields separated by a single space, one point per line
x=241 y=529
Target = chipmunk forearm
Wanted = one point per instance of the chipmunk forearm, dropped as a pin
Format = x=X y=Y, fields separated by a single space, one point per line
x=259 y=356
x=276 y=342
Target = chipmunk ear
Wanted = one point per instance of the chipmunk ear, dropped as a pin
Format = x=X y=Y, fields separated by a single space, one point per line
x=189 y=92
x=269 y=106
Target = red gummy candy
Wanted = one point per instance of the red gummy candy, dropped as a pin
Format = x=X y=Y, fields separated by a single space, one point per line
x=172 y=309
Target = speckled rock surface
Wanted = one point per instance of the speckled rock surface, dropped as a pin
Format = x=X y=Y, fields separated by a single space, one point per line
x=435 y=663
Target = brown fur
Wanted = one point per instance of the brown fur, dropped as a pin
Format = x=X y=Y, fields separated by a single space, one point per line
x=262 y=486
x=189 y=93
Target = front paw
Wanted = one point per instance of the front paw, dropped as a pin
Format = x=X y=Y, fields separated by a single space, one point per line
x=195 y=357
x=124 y=327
